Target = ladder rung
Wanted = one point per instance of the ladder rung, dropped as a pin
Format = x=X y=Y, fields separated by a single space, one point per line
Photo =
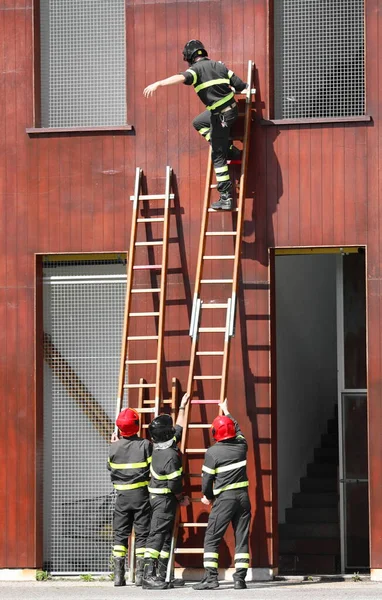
x=146 y=267
x=205 y=401
x=152 y=361
x=216 y=280
x=199 y=425
x=214 y=306
x=212 y=210
x=144 y=290
x=210 y=233
x=169 y=401
x=219 y=257
x=156 y=243
x=139 y=385
x=145 y=410
x=144 y=314
x=136 y=338
x=202 y=377
x=153 y=197
x=193 y=524
x=196 y=450
x=211 y=329
x=213 y=186
x=189 y=550
x=210 y=353
x=151 y=220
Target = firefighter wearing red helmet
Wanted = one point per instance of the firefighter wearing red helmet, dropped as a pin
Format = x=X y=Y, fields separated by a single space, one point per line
x=129 y=464
x=215 y=85
x=225 y=483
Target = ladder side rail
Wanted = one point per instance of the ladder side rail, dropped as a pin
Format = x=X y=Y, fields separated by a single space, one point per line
x=129 y=284
x=163 y=289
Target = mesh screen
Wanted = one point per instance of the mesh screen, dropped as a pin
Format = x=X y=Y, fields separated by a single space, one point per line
x=83 y=79
x=83 y=308
x=319 y=58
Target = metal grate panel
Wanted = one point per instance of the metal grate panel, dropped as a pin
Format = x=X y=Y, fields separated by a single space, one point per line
x=83 y=65
x=319 y=58
x=83 y=309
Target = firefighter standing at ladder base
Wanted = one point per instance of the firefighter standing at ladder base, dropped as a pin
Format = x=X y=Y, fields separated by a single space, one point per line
x=225 y=482
x=129 y=463
x=213 y=83
x=165 y=493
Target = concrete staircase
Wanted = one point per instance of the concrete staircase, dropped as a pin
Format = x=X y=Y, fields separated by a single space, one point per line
x=309 y=540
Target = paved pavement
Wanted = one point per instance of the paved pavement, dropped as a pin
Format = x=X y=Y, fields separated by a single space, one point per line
x=280 y=590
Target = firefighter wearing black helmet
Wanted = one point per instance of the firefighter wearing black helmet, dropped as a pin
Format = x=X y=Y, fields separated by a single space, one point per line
x=225 y=483
x=165 y=489
x=214 y=84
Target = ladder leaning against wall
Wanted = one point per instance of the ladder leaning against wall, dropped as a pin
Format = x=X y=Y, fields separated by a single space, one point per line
x=210 y=349
x=145 y=303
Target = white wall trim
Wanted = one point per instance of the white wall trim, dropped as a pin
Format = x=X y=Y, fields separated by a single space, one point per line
x=18 y=574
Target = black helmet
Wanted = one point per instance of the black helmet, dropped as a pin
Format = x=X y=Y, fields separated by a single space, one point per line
x=192 y=49
x=161 y=429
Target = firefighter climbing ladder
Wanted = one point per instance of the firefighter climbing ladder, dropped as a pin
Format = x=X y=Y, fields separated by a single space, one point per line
x=139 y=389
x=225 y=312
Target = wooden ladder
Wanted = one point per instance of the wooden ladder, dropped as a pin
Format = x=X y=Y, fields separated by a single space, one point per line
x=211 y=341
x=144 y=353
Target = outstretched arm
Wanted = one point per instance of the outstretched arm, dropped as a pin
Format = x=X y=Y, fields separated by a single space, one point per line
x=152 y=88
x=183 y=404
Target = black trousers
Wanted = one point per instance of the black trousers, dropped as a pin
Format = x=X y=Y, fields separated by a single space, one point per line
x=229 y=507
x=132 y=509
x=163 y=511
x=215 y=128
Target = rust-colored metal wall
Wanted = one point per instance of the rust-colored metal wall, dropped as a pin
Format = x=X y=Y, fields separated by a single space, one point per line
x=308 y=185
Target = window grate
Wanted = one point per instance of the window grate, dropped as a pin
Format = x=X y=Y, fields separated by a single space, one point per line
x=83 y=308
x=319 y=58
x=83 y=49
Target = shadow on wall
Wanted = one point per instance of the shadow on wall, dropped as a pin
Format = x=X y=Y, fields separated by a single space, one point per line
x=264 y=186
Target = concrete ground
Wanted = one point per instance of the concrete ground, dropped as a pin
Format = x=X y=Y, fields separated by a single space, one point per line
x=281 y=590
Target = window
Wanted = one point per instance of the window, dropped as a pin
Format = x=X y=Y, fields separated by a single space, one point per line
x=319 y=58
x=82 y=63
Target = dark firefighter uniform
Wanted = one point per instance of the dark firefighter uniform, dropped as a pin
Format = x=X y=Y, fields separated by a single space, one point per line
x=213 y=82
x=225 y=481
x=129 y=464
x=164 y=488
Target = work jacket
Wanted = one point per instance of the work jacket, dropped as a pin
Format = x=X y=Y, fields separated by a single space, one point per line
x=224 y=470
x=129 y=463
x=213 y=83
x=166 y=467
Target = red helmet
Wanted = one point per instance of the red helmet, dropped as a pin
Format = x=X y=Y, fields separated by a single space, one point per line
x=223 y=428
x=128 y=422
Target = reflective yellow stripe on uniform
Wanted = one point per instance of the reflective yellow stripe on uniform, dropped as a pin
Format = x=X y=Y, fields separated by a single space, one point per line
x=128 y=465
x=231 y=486
x=207 y=559
x=130 y=486
x=242 y=555
x=208 y=470
x=194 y=75
x=239 y=565
x=172 y=475
x=159 y=490
x=210 y=563
x=119 y=550
x=151 y=553
x=209 y=83
x=164 y=554
x=149 y=459
x=139 y=551
x=230 y=73
x=211 y=555
x=220 y=102
x=231 y=467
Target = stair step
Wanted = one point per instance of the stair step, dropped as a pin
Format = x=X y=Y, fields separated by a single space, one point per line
x=333 y=426
x=310 y=546
x=326 y=455
x=329 y=440
x=312 y=515
x=296 y=531
x=318 y=484
x=301 y=564
x=306 y=500
x=325 y=470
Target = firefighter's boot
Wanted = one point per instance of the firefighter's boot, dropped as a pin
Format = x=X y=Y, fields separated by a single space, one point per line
x=209 y=581
x=119 y=570
x=149 y=580
x=139 y=565
x=224 y=202
x=239 y=579
x=162 y=573
x=234 y=153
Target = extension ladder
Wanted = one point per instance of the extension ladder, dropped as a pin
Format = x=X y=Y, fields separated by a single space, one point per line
x=147 y=372
x=211 y=340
